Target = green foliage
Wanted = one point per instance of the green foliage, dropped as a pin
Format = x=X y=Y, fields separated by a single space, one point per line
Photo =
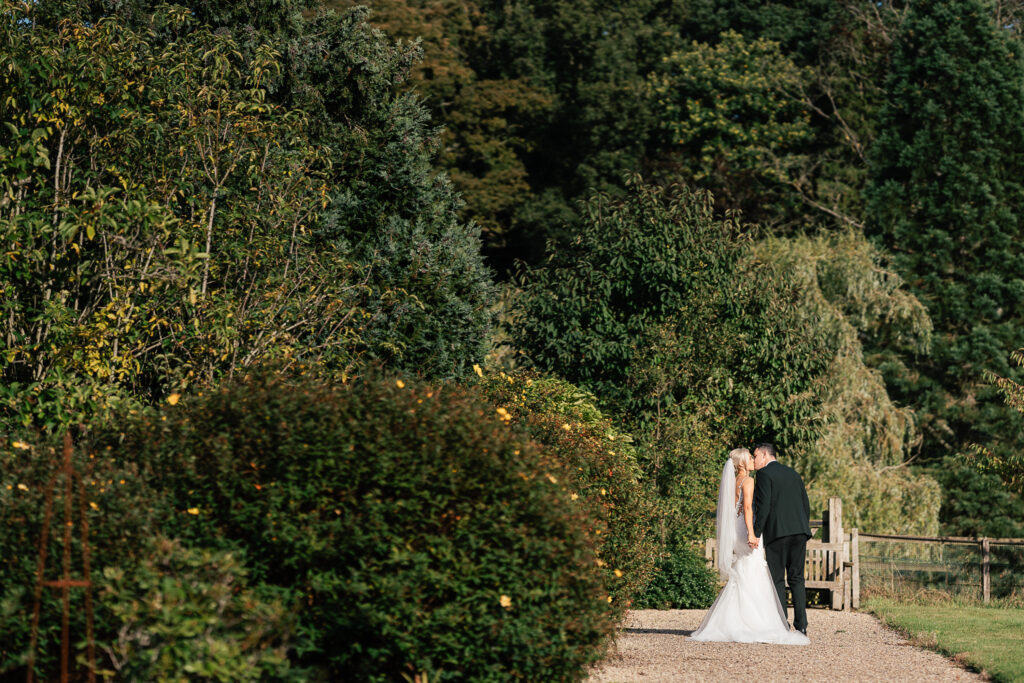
x=704 y=341
x=174 y=214
x=188 y=614
x=980 y=503
x=489 y=122
x=168 y=241
x=121 y=510
x=682 y=580
x=944 y=197
x=425 y=534
x=731 y=121
x=1009 y=466
x=605 y=302
x=863 y=439
x=601 y=470
x=432 y=293
x=800 y=27
x=542 y=102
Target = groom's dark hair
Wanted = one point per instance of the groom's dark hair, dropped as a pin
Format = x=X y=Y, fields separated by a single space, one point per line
x=767 y=448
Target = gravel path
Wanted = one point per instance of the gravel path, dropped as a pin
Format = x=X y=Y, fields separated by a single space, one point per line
x=845 y=646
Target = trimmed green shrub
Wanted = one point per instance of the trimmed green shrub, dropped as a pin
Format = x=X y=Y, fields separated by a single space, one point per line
x=603 y=477
x=425 y=534
x=682 y=580
x=188 y=614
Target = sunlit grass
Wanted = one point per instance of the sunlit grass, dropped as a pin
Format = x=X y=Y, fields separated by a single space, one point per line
x=990 y=639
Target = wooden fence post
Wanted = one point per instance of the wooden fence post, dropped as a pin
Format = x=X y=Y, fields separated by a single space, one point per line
x=985 y=571
x=835 y=536
x=855 y=579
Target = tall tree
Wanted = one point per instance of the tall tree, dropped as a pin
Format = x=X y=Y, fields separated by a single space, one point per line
x=386 y=208
x=703 y=339
x=944 y=198
x=180 y=201
x=487 y=117
x=542 y=102
x=732 y=123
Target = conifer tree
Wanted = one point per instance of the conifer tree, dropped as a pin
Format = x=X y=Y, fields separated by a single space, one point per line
x=945 y=198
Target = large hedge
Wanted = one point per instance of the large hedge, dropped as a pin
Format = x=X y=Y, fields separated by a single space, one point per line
x=425 y=534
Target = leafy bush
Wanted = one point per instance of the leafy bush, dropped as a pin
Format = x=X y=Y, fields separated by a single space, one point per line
x=602 y=472
x=121 y=510
x=424 y=533
x=187 y=614
x=682 y=580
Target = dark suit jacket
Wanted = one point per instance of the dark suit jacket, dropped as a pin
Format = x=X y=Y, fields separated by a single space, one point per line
x=781 y=507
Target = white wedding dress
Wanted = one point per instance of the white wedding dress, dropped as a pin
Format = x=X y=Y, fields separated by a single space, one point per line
x=748 y=609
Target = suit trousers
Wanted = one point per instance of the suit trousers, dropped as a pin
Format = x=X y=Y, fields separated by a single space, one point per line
x=785 y=556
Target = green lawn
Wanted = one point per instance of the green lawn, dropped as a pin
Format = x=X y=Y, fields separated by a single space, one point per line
x=987 y=638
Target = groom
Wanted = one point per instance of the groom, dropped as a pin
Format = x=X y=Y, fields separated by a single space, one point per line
x=782 y=513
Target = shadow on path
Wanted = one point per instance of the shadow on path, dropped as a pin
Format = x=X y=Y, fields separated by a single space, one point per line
x=661 y=631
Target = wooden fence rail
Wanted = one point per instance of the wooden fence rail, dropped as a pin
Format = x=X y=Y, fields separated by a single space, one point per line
x=985 y=545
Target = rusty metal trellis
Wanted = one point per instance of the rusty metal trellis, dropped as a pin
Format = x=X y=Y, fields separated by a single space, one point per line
x=65 y=583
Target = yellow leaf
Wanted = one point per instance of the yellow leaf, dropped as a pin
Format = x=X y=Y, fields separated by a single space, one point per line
x=193 y=511
x=400 y=384
x=22 y=487
x=173 y=399
x=21 y=445
x=477 y=370
x=505 y=601
x=93 y=505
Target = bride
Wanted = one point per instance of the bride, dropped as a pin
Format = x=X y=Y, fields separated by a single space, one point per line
x=748 y=608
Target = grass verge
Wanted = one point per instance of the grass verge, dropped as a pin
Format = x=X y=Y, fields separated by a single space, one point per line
x=990 y=639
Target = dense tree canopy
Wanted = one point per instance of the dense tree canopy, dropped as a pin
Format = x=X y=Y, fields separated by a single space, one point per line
x=945 y=199
x=180 y=202
x=542 y=102
x=703 y=338
x=731 y=123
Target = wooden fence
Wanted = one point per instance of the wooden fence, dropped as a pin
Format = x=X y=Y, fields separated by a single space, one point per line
x=984 y=546
x=832 y=562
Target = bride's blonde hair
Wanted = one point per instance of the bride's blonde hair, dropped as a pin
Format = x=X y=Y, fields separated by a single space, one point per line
x=740 y=456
